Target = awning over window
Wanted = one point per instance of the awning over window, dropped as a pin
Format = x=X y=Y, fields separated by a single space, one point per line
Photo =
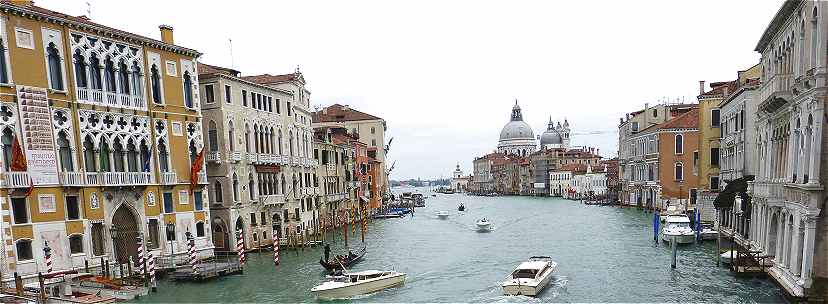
x=735 y=187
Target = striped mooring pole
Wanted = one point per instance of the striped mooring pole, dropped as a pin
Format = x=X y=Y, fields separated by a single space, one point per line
x=47 y=253
x=140 y=263
x=192 y=251
x=276 y=248
x=151 y=267
x=240 y=248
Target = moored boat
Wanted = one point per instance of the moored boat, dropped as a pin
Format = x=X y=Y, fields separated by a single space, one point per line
x=708 y=233
x=677 y=226
x=530 y=277
x=350 y=284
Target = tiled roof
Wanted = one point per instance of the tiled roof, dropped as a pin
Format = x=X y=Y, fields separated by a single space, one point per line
x=267 y=78
x=206 y=69
x=717 y=89
x=26 y=5
x=689 y=120
x=574 y=168
x=338 y=112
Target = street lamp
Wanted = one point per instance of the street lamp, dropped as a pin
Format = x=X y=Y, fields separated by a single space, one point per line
x=170 y=234
x=115 y=233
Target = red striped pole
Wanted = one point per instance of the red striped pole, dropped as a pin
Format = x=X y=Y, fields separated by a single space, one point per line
x=193 y=255
x=275 y=248
x=240 y=247
x=47 y=252
x=151 y=266
x=140 y=263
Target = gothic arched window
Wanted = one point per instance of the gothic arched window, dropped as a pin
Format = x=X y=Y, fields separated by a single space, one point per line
x=118 y=155
x=212 y=135
x=123 y=77
x=163 y=157
x=188 y=90
x=235 y=187
x=136 y=80
x=8 y=139
x=231 y=137
x=65 y=153
x=217 y=192
x=80 y=70
x=679 y=144
x=55 y=69
x=109 y=74
x=104 y=157
x=132 y=156
x=155 y=79
x=89 y=154
x=95 y=71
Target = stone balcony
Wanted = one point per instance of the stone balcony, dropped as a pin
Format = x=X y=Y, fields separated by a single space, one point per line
x=214 y=157
x=16 y=179
x=169 y=178
x=333 y=197
x=272 y=199
x=124 y=178
x=110 y=99
x=73 y=178
x=251 y=158
x=234 y=156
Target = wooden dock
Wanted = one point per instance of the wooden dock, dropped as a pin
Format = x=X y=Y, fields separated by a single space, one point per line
x=206 y=270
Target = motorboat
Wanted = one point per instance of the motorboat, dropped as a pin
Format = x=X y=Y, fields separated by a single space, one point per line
x=341 y=261
x=484 y=225
x=677 y=227
x=461 y=207
x=708 y=233
x=727 y=256
x=349 y=284
x=443 y=215
x=530 y=277
x=90 y=284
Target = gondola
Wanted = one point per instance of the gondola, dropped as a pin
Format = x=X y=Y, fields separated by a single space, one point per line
x=332 y=264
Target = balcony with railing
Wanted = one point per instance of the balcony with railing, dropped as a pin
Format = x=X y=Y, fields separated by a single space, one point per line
x=334 y=197
x=125 y=178
x=272 y=199
x=251 y=158
x=110 y=99
x=202 y=177
x=234 y=156
x=775 y=92
x=296 y=160
x=169 y=178
x=214 y=157
x=16 y=179
x=73 y=178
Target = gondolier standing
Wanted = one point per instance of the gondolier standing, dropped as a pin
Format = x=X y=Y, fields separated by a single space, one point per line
x=327 y=251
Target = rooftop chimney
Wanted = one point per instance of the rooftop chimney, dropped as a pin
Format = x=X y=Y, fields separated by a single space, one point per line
x=701 y=87
x=725 y=90
x=166 y=33
x=345 y=108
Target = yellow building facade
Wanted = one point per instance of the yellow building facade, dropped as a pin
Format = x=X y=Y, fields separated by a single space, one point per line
x=110 y=124
x=706 y=157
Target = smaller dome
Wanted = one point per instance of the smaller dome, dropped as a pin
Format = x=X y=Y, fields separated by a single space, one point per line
x=550 y=137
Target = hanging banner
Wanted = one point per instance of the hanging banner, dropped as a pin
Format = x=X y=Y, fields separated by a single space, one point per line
x=38 y=141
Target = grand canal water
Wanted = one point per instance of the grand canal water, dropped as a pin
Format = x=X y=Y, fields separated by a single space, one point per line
x=605 y=254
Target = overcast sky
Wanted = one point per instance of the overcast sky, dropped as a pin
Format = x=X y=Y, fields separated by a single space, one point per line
x=445 y=74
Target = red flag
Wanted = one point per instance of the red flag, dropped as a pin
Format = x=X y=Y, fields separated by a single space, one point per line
x=197 y=164
x=18 y=163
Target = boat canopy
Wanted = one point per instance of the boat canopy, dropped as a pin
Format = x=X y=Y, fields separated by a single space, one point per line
x=532 y=265
x=677 y=219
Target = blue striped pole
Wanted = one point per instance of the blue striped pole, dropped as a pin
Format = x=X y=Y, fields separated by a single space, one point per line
x=656 y=222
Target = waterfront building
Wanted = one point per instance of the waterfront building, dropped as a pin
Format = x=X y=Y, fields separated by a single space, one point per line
x=677 y=167
x=588 y=184
x=249 y=165
x=613 y=184
x=370 y=130
x=331 y=147
x=710 y=132
x=738 y=147
x=559 y=183
x=300 y=213
x=635 y=143
x=483 y=178
x=516 y=137
x=459 y=183
x=788 y=192
x=109 y=125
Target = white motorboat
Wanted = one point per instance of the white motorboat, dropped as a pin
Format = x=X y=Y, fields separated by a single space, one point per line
x=530 y=277
x=677 y=226
x=727 y=256
x=709 y=234
x=443 y=214
x=484 y=225
x=350 y=284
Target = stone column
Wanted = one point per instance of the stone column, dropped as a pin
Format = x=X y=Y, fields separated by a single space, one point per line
x=808 y=251
x=794 y=253
x=816 y=151
x=791 y=156
x=779 y=233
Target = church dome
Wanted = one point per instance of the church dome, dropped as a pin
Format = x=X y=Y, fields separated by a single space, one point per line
x=551 y=136
x=516 y=130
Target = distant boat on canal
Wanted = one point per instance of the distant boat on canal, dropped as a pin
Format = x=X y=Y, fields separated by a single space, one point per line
x=351 y=284
x=443 y=215
x=339 y=262
x=484 y=225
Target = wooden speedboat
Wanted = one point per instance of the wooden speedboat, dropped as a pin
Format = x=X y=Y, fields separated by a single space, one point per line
x=530 y=277
x=339 y=261
x=91 y=284
x=350 y=284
